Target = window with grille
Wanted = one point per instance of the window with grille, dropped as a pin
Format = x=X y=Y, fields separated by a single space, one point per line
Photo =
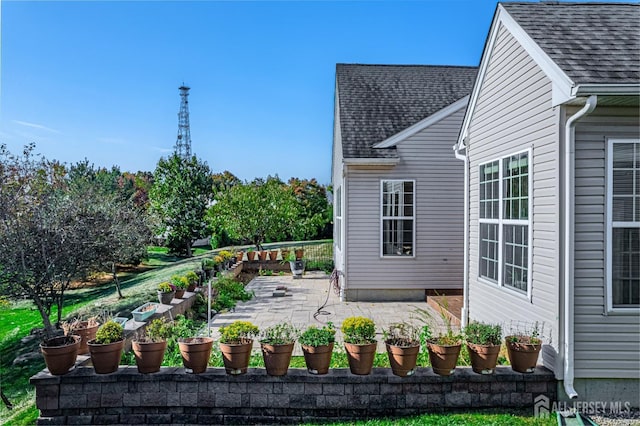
x=504 y=224
x=623 y=210
x=398 y=218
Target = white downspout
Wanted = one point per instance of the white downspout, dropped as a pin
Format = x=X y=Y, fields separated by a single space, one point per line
x=465 y=279
x=569 y=157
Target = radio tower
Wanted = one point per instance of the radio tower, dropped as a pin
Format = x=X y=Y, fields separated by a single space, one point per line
x=183 y=143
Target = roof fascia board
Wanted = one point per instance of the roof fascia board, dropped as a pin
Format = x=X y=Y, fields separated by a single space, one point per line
x=606 y=89
x=423 y=124
x=371 y=161
x=561 y=84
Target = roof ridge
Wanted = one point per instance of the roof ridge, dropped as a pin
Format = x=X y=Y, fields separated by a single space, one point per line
x=405 y=65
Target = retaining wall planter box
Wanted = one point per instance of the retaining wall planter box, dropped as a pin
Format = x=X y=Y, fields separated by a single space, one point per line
x=142 y=313
x=213 y=397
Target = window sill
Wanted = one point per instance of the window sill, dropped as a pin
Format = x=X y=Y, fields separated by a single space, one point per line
x=623 y=312
x=505 y=289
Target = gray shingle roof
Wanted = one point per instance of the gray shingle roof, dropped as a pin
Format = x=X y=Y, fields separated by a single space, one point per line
x=593 y=43
x=378 y=101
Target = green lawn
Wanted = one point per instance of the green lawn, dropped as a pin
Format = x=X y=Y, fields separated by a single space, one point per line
x=469 y=419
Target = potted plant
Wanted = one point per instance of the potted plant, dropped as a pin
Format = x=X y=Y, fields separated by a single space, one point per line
x=195 y=352
x=165 y=293
x=85 y=329
x=299 y=253
x=149 y=347
x=444 y=350
x=277 y=343
x=317 y=347
x=236 y=341
x=239 y=255
x=296 y=265
x=181 y=284
x=208 y=265
x=273 y=254
x=219 y=261
x=524 y=349
x=143 y=312
x=106 y=348
x=251 y=254
x=193 y=279
x=403 y=346
x=483 y=343
x=360 y=343
x=60 y=353
x=284 y=253
x=262 y=255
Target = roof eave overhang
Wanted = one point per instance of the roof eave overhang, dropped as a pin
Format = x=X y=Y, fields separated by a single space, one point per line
x=371 y=161
x=423 y=124
x=630 y=89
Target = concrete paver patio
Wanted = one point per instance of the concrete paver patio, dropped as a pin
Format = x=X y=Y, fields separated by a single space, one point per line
x=303 y=299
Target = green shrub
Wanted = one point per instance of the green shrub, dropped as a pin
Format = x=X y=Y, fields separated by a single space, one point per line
x=192 y=277
x=109 y=332
x=232 y=288
x=208 y=264
x=224 y=301
x=238 y=332
x=159 y=330
x=314 y=336
x=483 y=334
x=279 y=334
x=180 y=282
x=164 y=287
x=359 y=330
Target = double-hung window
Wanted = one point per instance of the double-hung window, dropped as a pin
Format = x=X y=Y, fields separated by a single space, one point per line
x=398 y=218
x=338 y=223
x=623 y=230
x=504 y=252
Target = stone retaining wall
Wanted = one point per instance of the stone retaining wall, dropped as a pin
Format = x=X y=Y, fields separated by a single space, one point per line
x=172 y=396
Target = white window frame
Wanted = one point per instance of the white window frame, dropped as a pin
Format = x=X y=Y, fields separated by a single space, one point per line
x=610 y=225
x=501 y=222
x=383 y=217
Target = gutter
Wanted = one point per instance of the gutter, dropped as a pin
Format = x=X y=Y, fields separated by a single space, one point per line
x=569 y=223
x=465 y=280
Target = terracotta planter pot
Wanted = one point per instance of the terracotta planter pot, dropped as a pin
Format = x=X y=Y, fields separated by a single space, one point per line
x=106 y=358
x=86 y=334
x=239 y=256
x=299 y=254
x=360 y=357
x=276 y=358
x=318 y=358
x=180 y=293
x=262 y=255
x=60 y=353
x=523 y=356
x=285 y=254
x=483 y=357
x=195 y=353
x=236 y=357
x=165 y=298
x=251 y=256
x=273 y=254
x=191 y=288
x=443 y=357
x=148 y=355
x=403 y=359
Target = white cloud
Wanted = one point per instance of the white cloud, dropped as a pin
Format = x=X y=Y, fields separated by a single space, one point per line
x=36 y=126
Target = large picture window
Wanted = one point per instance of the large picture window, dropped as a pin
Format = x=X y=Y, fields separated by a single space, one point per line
x=398 y=218
x=623 y=209
x=504 y=222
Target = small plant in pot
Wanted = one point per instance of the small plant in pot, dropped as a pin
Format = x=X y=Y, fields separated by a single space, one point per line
x=277 y=343
x=360 y=343
x=195 y=352
x=523 y=349
x=444 y=350
x=317 y=347
x=193 y=280
x=262 y=255
x=296 y=264
x=85 y=329
x=239 y=256
x=149 y=347
x=60 y=353
x=180 y=283
x=165 y=293
x=236 y=341
x=251 y=254
x=483 y=344
x=106 y=348
x=403 y=346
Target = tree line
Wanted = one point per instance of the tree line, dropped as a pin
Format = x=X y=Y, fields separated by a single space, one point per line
x=62 y=223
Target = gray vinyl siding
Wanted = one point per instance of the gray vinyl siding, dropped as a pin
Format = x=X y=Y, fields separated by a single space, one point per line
x=606 y=346
x=427 y=158
x=336 y=182
x=513 y=113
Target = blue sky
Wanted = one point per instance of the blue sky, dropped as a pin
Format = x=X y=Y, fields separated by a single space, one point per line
x=99 y=80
